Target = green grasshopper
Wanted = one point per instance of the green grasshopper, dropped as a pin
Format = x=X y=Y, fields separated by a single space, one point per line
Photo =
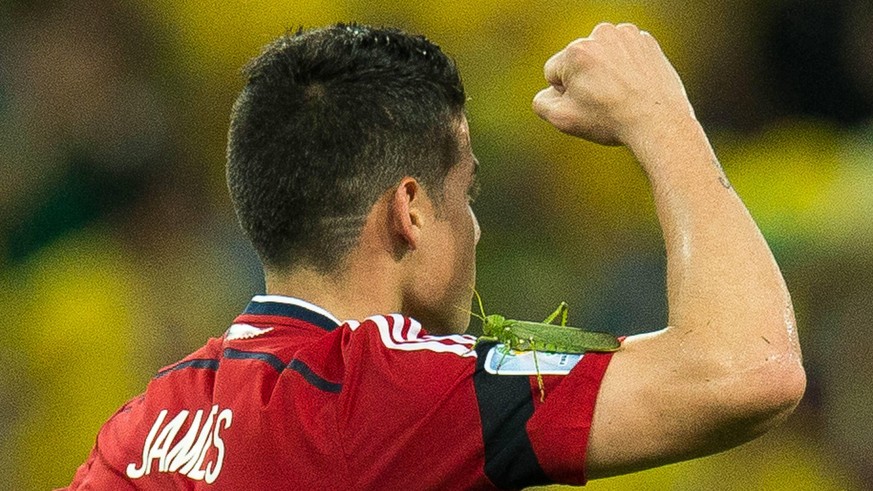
x=541 y=336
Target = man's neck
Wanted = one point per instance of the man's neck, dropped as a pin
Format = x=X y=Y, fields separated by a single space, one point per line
x=356 y=293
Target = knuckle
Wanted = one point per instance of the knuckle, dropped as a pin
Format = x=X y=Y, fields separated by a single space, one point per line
x=628 y=27
x=583 y=53
x=603 y=28
x=576 y=42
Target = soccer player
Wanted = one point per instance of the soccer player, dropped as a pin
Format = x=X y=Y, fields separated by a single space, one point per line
x=351 y=170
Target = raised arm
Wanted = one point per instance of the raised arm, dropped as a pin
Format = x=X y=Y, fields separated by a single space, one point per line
x=728 y=367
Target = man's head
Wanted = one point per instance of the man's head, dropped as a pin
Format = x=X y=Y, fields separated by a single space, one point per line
x=329 y=119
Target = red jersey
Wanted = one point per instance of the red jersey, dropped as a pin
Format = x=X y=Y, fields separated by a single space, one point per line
x=292 y=398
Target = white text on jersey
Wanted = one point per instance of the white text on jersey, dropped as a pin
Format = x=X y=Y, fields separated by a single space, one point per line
x=187 y=456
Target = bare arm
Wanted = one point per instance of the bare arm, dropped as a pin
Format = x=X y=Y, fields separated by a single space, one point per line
x=729 y=366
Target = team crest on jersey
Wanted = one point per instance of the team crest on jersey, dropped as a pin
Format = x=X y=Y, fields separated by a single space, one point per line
x=503 y=361
x=193 y=455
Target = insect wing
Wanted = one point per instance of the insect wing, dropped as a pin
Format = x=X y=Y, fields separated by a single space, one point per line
x=560 y=339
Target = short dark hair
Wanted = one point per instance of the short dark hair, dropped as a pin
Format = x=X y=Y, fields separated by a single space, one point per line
x=328 y=120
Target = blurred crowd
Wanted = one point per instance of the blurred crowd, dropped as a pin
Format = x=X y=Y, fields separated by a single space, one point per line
x=119 y=250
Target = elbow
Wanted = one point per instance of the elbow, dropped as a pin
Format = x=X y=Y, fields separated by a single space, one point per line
x=785 y=390
x=780 y=381
x=762 y=399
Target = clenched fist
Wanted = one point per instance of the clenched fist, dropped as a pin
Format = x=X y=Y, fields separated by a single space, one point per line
x=612 y=87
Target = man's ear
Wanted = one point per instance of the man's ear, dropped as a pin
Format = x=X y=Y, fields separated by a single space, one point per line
x=406 y=212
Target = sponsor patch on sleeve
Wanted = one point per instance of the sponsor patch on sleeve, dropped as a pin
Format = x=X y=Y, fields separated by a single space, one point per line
x=503 y=361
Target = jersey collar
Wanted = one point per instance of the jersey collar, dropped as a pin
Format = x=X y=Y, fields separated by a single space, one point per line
x=279 y=308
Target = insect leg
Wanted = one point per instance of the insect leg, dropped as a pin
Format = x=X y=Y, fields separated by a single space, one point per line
x=509 y=343
x=561 y=312
x=539 y=375
x=500 y=363
x=479 y=339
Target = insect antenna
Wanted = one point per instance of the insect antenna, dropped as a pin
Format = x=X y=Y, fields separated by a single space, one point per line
x=468 y=311
x=481 y=307
x=481 y=318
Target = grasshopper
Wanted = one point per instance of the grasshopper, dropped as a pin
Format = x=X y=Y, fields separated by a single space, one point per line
x=541 y=336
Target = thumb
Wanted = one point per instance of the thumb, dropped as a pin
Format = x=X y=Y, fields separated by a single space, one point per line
x=547 y=102
x=551 y=105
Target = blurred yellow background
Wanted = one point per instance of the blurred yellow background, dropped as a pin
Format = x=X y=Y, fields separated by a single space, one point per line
x=119 y=251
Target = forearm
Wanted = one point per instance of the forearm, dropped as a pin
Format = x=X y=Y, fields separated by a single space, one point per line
x=728 y=366
x=727 y=299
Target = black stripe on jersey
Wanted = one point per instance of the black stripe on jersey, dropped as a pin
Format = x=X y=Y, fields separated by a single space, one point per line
x=289 y=310
x=269 y=359
x=505 y=406
x=310 y=376
x=207 y=363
